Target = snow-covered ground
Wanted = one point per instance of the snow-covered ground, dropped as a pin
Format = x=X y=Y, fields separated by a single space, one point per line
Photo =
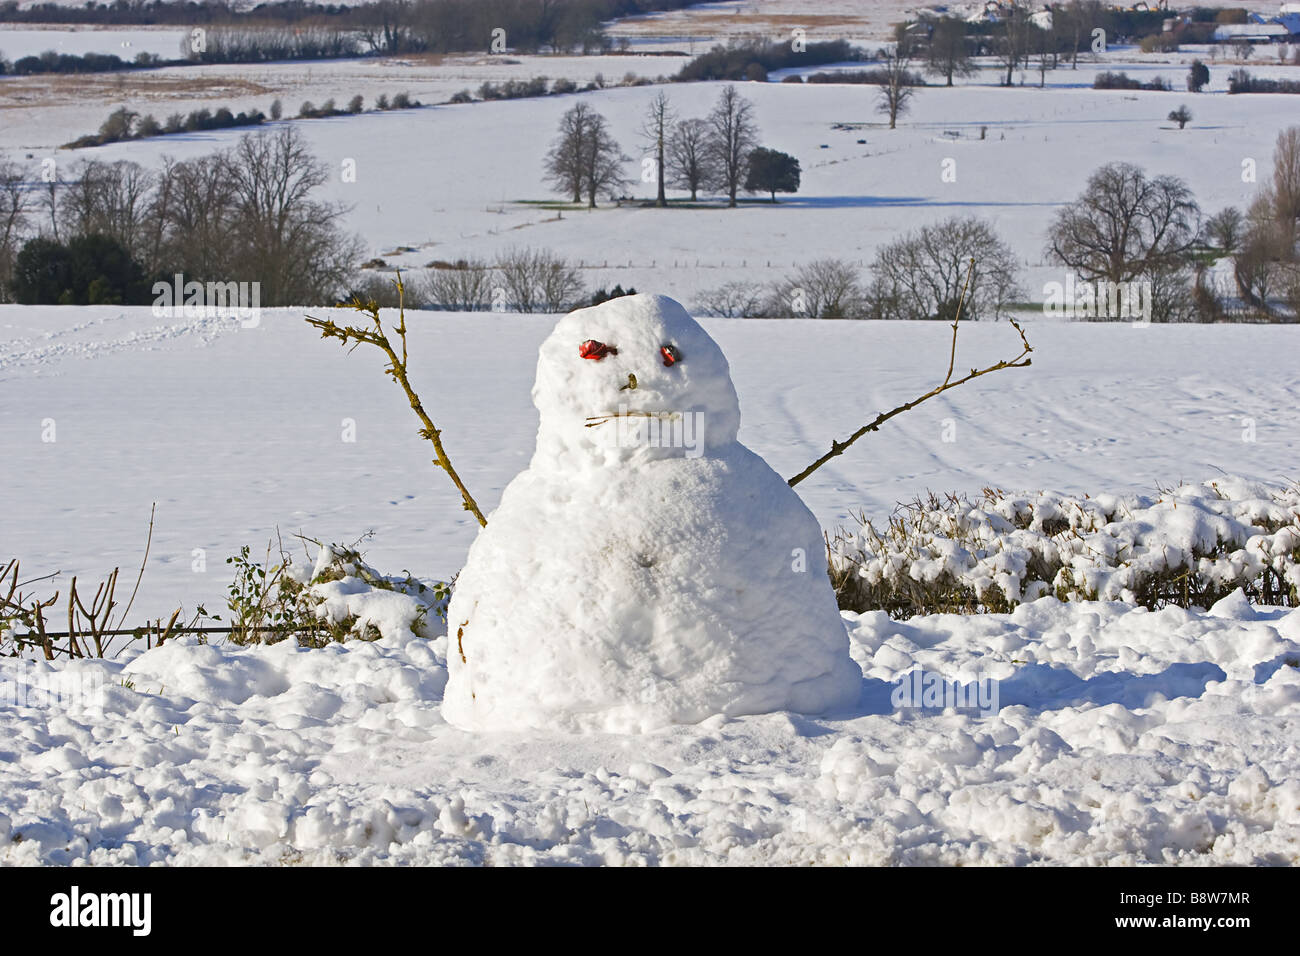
x=19 y=40
x=1117 y=735
x=235 y=432
x=1098 y=733
x=1112 y=736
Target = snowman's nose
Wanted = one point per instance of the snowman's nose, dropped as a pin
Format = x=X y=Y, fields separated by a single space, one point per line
x=631 y=382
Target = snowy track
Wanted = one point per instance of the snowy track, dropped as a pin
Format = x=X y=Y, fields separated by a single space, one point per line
x=1120 y=736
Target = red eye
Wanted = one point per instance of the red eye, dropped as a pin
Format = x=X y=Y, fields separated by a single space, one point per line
x=591 y=349
x=670 y=354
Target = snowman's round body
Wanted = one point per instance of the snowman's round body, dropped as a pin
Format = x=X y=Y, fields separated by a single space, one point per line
x=646 y=568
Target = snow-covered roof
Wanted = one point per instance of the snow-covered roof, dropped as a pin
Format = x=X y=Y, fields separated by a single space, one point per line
x=1248 y=31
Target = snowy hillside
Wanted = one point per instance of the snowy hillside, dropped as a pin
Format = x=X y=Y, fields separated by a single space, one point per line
x=235 y=432
x=639 y=657
x=451 y=182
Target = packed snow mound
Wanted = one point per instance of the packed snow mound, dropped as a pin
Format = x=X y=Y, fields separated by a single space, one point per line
x=647 y=568
x=588 y=413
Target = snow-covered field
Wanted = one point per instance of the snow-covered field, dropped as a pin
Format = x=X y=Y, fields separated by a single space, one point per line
x=1118 y=735
x=458 y=181
x=1123 y=737
x=1097 y=733
x=19 y=40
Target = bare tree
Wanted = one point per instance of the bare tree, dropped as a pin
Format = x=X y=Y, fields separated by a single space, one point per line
x=1079 y=18
x=1045 y=45
x=733 y=300
x=732 y=135
x=1014 y=41
x=50 y=200
x=109 y=199
x=584 y=158
x=895 y=84
x=947 y=55
x=466 y=288
x=1285 y=194
x=194 y=207
x=1268 y=262
x=688 y=156
x=560 y=285
x=923 y=274
x=822 y=289
x=1224 y=230
x=292 y=243
x=656 y=130
x=602 y=160
x=537 y=280
x=564 y=163
x=1124 y=226
x=15 y=202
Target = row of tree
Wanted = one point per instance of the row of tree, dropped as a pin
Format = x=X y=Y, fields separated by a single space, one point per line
x=249 y=213
x=920 y=275
x=719 y=152
x=1128 y=227
x=1125 y=227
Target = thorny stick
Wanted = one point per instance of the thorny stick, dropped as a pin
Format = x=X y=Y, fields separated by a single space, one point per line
x=1020 y=361
x=397 y=370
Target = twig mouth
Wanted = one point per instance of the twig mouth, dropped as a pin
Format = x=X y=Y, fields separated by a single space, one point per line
x=595 y=420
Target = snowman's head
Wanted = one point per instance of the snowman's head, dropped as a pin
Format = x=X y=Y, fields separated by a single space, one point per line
x=634 y=378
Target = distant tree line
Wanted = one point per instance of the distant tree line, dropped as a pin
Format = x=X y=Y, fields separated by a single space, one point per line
x=874 y=77
x=126 y=124
x=519 y=279
x=1241 y=81
x=920 y=275
x=108 y=230
x=387 y=26
x=753 y=60
x=1122 y=81
x=52 y=62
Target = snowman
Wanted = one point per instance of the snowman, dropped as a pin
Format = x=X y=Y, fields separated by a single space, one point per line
x=646 y=568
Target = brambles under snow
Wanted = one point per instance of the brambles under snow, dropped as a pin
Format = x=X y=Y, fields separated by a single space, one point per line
x=1189 y=546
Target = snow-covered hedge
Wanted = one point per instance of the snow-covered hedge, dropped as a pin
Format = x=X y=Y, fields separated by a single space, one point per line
x=343 y=598
x=1189 y=546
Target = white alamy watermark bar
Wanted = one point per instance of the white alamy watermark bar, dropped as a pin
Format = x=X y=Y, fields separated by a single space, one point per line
x=1076 y=299
x=75 y=909
x=200 y=300
x=25 y=684
x=929 y=690
x=640 y=429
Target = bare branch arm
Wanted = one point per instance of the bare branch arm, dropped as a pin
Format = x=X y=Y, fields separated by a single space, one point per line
x=1020 y=361
x=397 y=370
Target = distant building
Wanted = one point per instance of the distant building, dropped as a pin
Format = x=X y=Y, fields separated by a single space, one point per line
x=1252 y=33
